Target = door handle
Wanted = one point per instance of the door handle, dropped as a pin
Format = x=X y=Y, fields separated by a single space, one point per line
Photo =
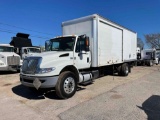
x=87 y=59
x=81 y=54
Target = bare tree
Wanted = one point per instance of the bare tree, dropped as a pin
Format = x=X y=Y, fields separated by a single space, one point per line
x=140 y=43
x=153 y=40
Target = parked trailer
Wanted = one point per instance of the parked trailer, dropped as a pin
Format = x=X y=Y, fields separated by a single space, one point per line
x=89 y=46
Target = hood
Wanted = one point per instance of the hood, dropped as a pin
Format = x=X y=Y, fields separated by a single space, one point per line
x=53 y=56
x=6 y=54
x=32 y=54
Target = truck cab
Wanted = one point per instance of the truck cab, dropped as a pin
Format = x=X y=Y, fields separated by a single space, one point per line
x=9 y=61
x=29 y=51
x=61 y=64
x=76 y=46
x=148 y=57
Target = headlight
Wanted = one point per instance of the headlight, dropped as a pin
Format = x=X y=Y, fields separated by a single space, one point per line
x=46 y=70
x=1 y=63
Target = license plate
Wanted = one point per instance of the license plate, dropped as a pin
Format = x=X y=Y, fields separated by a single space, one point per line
x=37 y=83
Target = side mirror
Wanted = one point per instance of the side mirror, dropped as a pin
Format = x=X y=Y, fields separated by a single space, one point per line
x=87 y=43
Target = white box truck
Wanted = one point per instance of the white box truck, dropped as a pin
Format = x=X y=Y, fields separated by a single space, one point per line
x=89 y=46
x=9 y=61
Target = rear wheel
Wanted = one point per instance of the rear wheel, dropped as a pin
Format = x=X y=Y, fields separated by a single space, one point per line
x=125 y=69
x=119 y=69
x=129 y=68
x=150 y=63
x=67 y=85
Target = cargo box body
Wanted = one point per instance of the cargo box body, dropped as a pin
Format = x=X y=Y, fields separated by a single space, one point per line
x=110 y=43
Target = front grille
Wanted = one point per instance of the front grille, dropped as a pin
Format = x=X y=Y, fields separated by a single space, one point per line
x=30 y=65
x=13 y=60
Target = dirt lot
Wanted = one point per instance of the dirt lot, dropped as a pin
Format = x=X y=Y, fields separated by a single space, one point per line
x=18 y=100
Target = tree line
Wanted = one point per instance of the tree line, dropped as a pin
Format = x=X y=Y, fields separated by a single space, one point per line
x=151 y=40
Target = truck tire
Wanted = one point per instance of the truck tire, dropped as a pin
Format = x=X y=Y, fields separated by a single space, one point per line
x=129 y=68
x=119 y=70
x=125 y=69
x=67 y=85
x=144 y=63
x=135 y=63
x=150 y=63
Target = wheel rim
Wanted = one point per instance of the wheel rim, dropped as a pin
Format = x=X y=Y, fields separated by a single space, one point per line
x=69 y=85
x=150 y=63
x=127 y=70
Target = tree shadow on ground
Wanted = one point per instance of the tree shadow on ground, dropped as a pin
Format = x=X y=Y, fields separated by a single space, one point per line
x=152 y=107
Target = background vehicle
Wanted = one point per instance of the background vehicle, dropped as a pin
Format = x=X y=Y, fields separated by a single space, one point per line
x=158 y=55
x=9 y=61
x=147 y=57
x=29 y=51
x=97 y=44
x=23 y=45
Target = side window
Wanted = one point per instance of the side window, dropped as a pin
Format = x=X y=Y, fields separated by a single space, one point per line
x=15 y=50
x=25 y=51
x=55 y=45
x=80 y=46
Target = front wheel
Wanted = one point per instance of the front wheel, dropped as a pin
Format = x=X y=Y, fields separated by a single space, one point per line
x=67 y=85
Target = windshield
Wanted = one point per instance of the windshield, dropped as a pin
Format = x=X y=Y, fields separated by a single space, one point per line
x=34 y=50
x=61 y=44
x=6 y=49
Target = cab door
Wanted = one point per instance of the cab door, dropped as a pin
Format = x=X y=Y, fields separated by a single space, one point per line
x=24 y=53
x=82 y=55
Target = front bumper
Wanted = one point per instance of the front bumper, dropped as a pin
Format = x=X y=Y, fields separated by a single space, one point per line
x=10 y=68
x=46 y=82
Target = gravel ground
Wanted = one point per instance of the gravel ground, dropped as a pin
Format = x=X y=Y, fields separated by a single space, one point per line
x=103 y=98
x=136 y=100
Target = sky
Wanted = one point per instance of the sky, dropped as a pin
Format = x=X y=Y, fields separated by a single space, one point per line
x=42 y=18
